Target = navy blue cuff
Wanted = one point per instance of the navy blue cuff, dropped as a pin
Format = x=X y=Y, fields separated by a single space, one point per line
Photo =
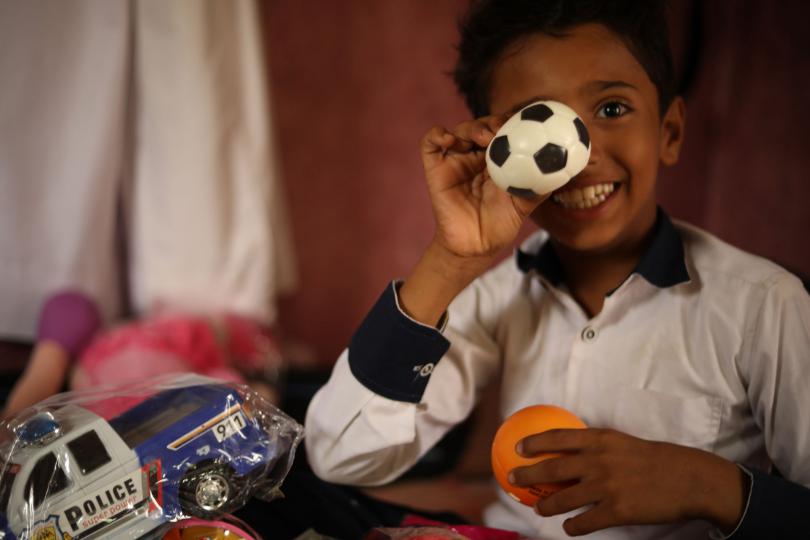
x=393 y=355
x=776 y=509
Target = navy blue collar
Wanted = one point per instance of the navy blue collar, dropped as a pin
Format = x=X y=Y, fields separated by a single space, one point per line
x=662 y=263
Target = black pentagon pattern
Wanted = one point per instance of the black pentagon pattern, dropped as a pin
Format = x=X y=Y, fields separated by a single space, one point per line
x=539 y=113
x=523 y=193
x=499 y=150
x=551 y=158
x=583 y=132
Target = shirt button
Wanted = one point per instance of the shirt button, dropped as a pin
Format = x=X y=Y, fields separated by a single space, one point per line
x=589 y=333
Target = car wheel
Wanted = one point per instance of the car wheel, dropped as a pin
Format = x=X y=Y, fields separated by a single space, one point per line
x=207 y=490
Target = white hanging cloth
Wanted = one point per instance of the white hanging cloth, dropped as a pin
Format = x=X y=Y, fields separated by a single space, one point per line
x=150 y=113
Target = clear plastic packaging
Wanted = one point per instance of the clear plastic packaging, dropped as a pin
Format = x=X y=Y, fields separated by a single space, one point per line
x=122 y=462
x=228 y=528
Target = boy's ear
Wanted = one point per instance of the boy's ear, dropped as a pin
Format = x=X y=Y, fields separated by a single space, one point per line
x=672 y=131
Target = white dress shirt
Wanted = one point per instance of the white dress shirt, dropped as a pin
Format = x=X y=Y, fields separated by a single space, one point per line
x=704 y=346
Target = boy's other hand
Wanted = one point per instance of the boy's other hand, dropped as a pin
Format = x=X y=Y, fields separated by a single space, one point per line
x=474 y=217
x=625 y=480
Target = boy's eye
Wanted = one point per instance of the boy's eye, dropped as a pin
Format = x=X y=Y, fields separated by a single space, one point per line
x=614 y=109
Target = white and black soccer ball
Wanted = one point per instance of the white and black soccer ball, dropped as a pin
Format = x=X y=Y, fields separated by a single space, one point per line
x=539 y=149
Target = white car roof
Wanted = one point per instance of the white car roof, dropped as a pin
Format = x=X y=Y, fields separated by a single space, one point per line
x=72 y=419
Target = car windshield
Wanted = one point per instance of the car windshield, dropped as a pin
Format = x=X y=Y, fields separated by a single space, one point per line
x=6 y=483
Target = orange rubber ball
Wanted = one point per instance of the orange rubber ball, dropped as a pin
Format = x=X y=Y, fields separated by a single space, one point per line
x=525 y=422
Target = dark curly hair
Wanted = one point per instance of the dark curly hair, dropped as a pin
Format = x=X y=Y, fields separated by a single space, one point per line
x=490 y=26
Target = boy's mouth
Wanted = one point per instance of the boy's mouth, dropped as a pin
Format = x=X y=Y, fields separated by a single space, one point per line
x=584 y=197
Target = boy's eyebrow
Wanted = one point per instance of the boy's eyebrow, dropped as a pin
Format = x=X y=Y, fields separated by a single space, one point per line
x=601 y=86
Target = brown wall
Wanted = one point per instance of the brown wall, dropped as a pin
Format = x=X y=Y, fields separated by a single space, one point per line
x=356 y=83
x=744 y=171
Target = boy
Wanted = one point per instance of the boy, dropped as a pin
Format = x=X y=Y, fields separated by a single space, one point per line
x=685 y=355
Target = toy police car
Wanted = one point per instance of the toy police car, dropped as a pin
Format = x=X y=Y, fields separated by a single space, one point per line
x=189 y=451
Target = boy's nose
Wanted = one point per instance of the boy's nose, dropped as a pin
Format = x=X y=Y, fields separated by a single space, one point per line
x=596 y=152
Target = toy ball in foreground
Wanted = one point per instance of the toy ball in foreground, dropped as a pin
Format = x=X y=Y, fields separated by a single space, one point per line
x=538 y=149
x=525 y=422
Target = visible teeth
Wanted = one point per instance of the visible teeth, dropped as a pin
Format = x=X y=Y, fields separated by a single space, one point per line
x=587 y=197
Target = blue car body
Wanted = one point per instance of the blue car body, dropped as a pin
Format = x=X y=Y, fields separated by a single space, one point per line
x=192 y=439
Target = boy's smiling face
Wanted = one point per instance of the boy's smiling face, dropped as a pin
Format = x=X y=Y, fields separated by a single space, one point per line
x=593 y=72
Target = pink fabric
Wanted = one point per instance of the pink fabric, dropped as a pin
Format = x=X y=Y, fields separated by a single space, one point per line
x=166 y=345
x=247 y=343
x=473 y=532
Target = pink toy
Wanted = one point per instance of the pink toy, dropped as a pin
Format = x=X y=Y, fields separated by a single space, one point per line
x=70 y=337
x=222 y=347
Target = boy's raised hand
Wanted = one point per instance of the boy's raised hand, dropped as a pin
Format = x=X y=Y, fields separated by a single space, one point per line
x=474 y=217
x=625 y=480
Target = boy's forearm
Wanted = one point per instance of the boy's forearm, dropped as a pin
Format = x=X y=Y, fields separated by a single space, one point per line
x=436 y=280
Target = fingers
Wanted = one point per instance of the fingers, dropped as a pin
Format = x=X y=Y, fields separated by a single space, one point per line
x=582 y=493
x=571 y=465
x=494 y=123
x=603 y=513
x=471 y=136
x=558 y=469
x=597 y=518
x=617 y=478
x=436 y=140
x=567 y=500
x=559 y=440
x=438 y=143
x=478 y=132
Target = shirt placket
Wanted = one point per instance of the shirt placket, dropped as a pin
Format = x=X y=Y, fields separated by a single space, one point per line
x=579 y=351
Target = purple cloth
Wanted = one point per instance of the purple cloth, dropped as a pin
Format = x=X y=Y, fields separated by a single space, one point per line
x=71 y=319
